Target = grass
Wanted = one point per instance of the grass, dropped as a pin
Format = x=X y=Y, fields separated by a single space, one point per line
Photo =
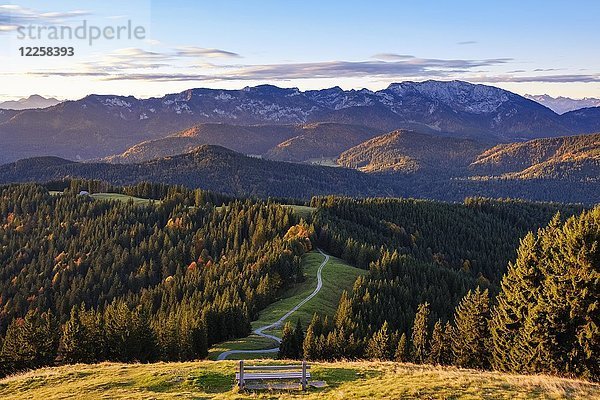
x=303 y=211
x=337 y=277
x=345 y=380
x=123 y=197
x=114 y=196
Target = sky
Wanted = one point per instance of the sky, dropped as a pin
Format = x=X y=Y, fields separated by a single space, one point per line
x=528 y=47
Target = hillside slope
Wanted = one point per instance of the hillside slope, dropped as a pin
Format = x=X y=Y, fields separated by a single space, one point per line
x=209 y=380
x=320 y=140
x=209 y=167
x=408 y=152
x=570 y=157
x=297 y=142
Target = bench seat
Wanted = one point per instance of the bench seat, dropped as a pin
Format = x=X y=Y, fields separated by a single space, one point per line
x=250 y=376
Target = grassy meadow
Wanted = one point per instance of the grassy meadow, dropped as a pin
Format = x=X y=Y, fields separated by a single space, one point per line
x=345 y=380
x=337 y=277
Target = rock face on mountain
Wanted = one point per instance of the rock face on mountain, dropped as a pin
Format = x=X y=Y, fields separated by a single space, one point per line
x=99 y=126
x=410 y=152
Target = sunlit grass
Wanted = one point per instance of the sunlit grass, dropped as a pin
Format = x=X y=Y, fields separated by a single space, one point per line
x=345 y=380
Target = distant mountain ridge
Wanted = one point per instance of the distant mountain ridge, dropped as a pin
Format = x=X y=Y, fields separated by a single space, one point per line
x=99 y=125
x=297 y=143
x=571 y=157
x=33 y=101
x=409 y=152
x=225 y=171
x=561 y=105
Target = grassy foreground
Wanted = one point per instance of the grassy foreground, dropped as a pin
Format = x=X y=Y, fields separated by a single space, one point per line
x=337 y=277
x=345 y=380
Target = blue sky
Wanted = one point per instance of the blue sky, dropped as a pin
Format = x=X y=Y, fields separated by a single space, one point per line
x=524 y=46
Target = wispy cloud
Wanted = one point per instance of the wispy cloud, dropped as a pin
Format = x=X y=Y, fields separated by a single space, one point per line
x=193 y=51
x=13 y=16
x=467 y=42
x=121 y=63
x=566 y=78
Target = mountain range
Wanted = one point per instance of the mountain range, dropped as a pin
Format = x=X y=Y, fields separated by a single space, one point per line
x=99 y=126
x=33 y=101
x=562 y=169
x=562 y=104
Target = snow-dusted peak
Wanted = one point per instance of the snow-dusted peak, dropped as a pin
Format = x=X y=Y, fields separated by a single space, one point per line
x=458 y=95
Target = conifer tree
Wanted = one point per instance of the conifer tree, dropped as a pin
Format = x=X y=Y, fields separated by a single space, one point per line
x=379 y=346
x=401 y=354
x=419 y=334
x=447 y=356
x=287 y=344
x=470 y=341
x=437 y=343
x=75 y=345
x=547 y=318
x=298 y=340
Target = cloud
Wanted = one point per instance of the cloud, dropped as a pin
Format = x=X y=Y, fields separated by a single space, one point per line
x=193 y=51
x=391 y=57
x=410 y=67
x=13 y=16
x=467 y=42
x=567 y=78
x=122 y=63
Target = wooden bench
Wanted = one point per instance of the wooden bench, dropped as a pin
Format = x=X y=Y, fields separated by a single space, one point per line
x=264 y=373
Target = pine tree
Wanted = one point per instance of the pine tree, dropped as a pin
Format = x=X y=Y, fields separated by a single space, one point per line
x=547 y=317
x=419 y=334
x=470 y=342
x=401 y=354
x=437 y=343
x=287 y=344
x=298 y=341
x=380 y=345
x=75 y=345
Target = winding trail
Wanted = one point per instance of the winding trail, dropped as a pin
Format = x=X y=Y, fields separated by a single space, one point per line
x=260 y=331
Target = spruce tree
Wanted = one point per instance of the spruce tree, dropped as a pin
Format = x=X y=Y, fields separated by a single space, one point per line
x=470 y=341
x=447 y=356
x=437 y=343
x=380 y=347
x=419 y=334
x=75 y=345
x=547 y=318
x=287 y=344
x=298 y=340
x=401 y=354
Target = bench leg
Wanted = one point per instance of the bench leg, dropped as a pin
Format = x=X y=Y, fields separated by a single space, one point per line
x=241 y=382
x=303 y=375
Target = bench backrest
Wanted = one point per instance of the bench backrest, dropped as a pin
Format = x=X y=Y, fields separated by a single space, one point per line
x=273 y=369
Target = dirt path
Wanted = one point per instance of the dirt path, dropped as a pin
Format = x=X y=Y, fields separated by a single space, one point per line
x=260 y=331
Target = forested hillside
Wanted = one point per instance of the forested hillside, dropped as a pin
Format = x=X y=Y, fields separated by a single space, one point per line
x=134 y=282
x=435 y=270
x=85 y=280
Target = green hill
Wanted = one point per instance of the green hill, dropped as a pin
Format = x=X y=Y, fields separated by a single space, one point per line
x=337 y=277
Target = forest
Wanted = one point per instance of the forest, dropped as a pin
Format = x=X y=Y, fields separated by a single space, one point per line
x=489 y=284
x=87 y=280
x=486 y=284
